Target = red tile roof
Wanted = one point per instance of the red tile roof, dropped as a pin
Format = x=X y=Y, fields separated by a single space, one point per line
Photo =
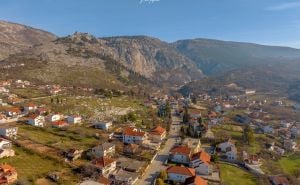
x=103 y=161
x=30 y=104
x=60 y=122
x=158 y=130
x=182 y=170
x=197 y=180
x=103 y=180
x=203 y=156
x=14 y=109
x=277 y=180
x=183 y=150
x=130 y=131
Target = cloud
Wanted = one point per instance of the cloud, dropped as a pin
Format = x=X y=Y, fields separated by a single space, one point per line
x=148 y=1
x=284 y=6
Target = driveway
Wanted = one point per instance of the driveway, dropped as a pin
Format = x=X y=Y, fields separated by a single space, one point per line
x=158 y=163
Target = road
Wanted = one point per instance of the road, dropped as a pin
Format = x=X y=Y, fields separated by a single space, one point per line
x=158 y=163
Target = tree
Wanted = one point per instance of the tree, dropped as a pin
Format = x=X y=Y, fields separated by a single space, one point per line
x=159 y=181
x=248 y=135
x=186 y=116
x=215 y=158
x=163 y=175
x=194 y=100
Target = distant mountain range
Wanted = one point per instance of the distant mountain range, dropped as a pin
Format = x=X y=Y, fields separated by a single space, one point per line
x=123 y=62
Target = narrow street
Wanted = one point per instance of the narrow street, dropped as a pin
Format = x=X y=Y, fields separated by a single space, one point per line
x=158 y=164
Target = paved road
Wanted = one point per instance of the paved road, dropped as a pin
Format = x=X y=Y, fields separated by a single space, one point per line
x=157 y=165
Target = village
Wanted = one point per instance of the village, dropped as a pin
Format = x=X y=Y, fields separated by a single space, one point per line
x=74 y=135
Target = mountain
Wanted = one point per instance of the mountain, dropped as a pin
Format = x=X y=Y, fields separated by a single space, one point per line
x=15 y=38
x=215 y=57
x=116 y=62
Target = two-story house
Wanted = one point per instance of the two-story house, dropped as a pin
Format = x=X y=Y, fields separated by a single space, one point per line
x=180 y=154
x=133 y=135
x=201 y=162
x=105 y=165
x=179 y=174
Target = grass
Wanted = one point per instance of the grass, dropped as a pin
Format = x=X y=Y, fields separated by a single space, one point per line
x=62 y=139
x=29 y=93
x=231 y=175
x=31 y=166
x=290 y=163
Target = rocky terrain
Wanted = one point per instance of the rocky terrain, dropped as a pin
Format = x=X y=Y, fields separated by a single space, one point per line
x=15 y=38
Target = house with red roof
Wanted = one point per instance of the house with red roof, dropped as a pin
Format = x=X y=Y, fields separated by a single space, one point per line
x=279 y=180
x=179 y=174
x=36 y=120
x=133 y=135
x=196 y=180
x=59 y=124
x=158 y=134
x=106 y=165
x=8 y=174
x=201 y=162
x=30 y=107
x=180 y=154
x=13 y=112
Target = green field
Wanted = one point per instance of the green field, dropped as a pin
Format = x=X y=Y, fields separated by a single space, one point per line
x=62 y=139
x=31 y=166
x=29 y=93
x=231 y=175
x=290 y=164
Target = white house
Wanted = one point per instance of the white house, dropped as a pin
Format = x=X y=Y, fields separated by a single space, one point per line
x=106 y=165
x=286 y=124
x=180 y=154
x=201 y=162
x=179 y=174
x=105 y=125
x=36 y=120
x=133 y=135
x=225 y=145
x=4 y=143
x=231 y=153
x=7 y=153
x=103 y=150
x=8 y=131
x=158 y=134
x=30 y=107
x=74 y=119
x=54 y=117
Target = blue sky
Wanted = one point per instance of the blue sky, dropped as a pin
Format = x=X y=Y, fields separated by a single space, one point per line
x=273 y=22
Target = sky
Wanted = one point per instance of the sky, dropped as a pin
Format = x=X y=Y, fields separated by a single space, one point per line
x=271 y=22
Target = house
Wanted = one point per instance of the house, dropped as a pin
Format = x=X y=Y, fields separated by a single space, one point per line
x=223 y=146
x=7 y=152
x=289 y=144
x=42 y=110
x=251 y=159
x=36 y=120
x=130 y=149
x=196 y=180
x=194 y=113
x=73 y=154
x=30 y=107
x=13 y=112
x=5 y=144
x=9 y=131
x=231 y=153
x=295 y=131
x=179 y=174
x=268 y=129
x=201 y=162
x=124 y=177
x=250 y=91
x=54 y=117
x=192 y=143
x=242 y=119
x=74 y=119
x=180 y=154
x=158 y=134
x=286 y=124
x=106 y=165
x=59 y=124
x=103 y=180
x=279 y=150
x=133 y=135
x=8 y=174
x=103 y=150
x=105 y=125
x=279 y=180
